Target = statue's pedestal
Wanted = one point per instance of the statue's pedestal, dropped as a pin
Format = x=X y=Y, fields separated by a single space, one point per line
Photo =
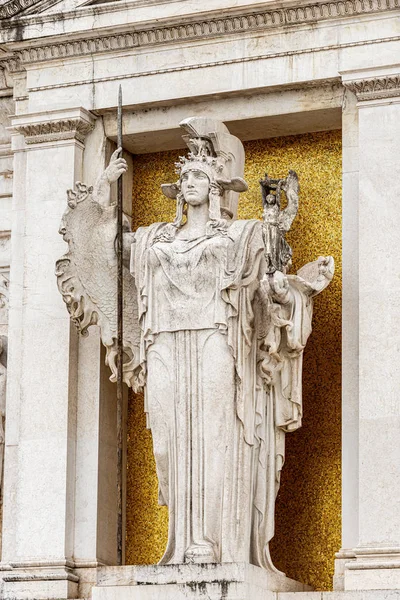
x=229 y=581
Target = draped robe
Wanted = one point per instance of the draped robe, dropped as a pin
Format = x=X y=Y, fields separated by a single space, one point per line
x=222 y=365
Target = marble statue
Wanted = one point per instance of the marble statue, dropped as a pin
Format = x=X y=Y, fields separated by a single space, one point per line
x=214 y=333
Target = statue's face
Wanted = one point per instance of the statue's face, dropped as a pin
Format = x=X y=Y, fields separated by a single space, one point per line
x=271 y=199
x=195 y=187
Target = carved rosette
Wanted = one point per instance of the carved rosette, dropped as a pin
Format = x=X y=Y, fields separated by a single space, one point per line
x=376 y=88
x=63 y=129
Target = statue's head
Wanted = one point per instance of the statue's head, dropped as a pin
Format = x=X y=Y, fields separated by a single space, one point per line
x=198 y=173
x=271 y=200
x=212 y=165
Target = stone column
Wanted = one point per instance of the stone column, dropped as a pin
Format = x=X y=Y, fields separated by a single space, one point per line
x=376 y=556
x=350 y=336
x=40 y=465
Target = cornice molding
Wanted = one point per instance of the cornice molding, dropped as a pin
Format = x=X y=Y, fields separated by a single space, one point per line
x=218 y=63
x=51 y=131
x=190 y=30
x=376 y=88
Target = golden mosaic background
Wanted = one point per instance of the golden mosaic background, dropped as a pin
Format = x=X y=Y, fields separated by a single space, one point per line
x=308 y=519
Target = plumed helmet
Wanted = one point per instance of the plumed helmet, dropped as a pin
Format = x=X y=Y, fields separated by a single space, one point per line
x=217 y=153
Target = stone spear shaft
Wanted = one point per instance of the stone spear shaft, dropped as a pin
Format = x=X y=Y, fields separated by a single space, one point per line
x=120 y=305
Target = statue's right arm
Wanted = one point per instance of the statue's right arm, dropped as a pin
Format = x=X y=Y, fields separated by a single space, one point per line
x=117 y=167
x=101 y=193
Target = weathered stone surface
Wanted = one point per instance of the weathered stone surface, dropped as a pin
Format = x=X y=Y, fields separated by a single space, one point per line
x=227 y=581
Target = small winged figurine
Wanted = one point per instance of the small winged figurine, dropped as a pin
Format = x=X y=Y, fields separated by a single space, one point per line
x=277 y=221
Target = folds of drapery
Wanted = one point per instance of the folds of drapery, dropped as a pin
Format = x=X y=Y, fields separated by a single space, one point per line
x=267 y=397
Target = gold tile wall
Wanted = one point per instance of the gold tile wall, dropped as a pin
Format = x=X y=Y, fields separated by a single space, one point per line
x=308 y=518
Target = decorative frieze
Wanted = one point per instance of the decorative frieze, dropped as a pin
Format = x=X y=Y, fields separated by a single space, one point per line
x=206 y=28
x=376 y=88
x=64 y=129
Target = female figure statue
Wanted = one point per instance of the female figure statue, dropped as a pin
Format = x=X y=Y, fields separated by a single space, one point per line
x=276 y=222
x=216 y=343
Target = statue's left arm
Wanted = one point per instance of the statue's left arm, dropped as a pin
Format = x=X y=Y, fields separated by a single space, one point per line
x=287 y=302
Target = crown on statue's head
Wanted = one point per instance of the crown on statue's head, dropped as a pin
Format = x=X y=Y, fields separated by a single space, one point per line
x=209 y=165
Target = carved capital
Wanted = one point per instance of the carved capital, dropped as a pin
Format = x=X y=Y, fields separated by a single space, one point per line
x=9 y=66
x=66 y=127
x=11 y=63
x=376 y=88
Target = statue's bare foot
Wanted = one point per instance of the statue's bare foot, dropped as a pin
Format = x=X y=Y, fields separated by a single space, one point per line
x=200 y=553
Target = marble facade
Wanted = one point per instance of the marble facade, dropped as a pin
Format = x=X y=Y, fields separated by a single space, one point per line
x=266 y=69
